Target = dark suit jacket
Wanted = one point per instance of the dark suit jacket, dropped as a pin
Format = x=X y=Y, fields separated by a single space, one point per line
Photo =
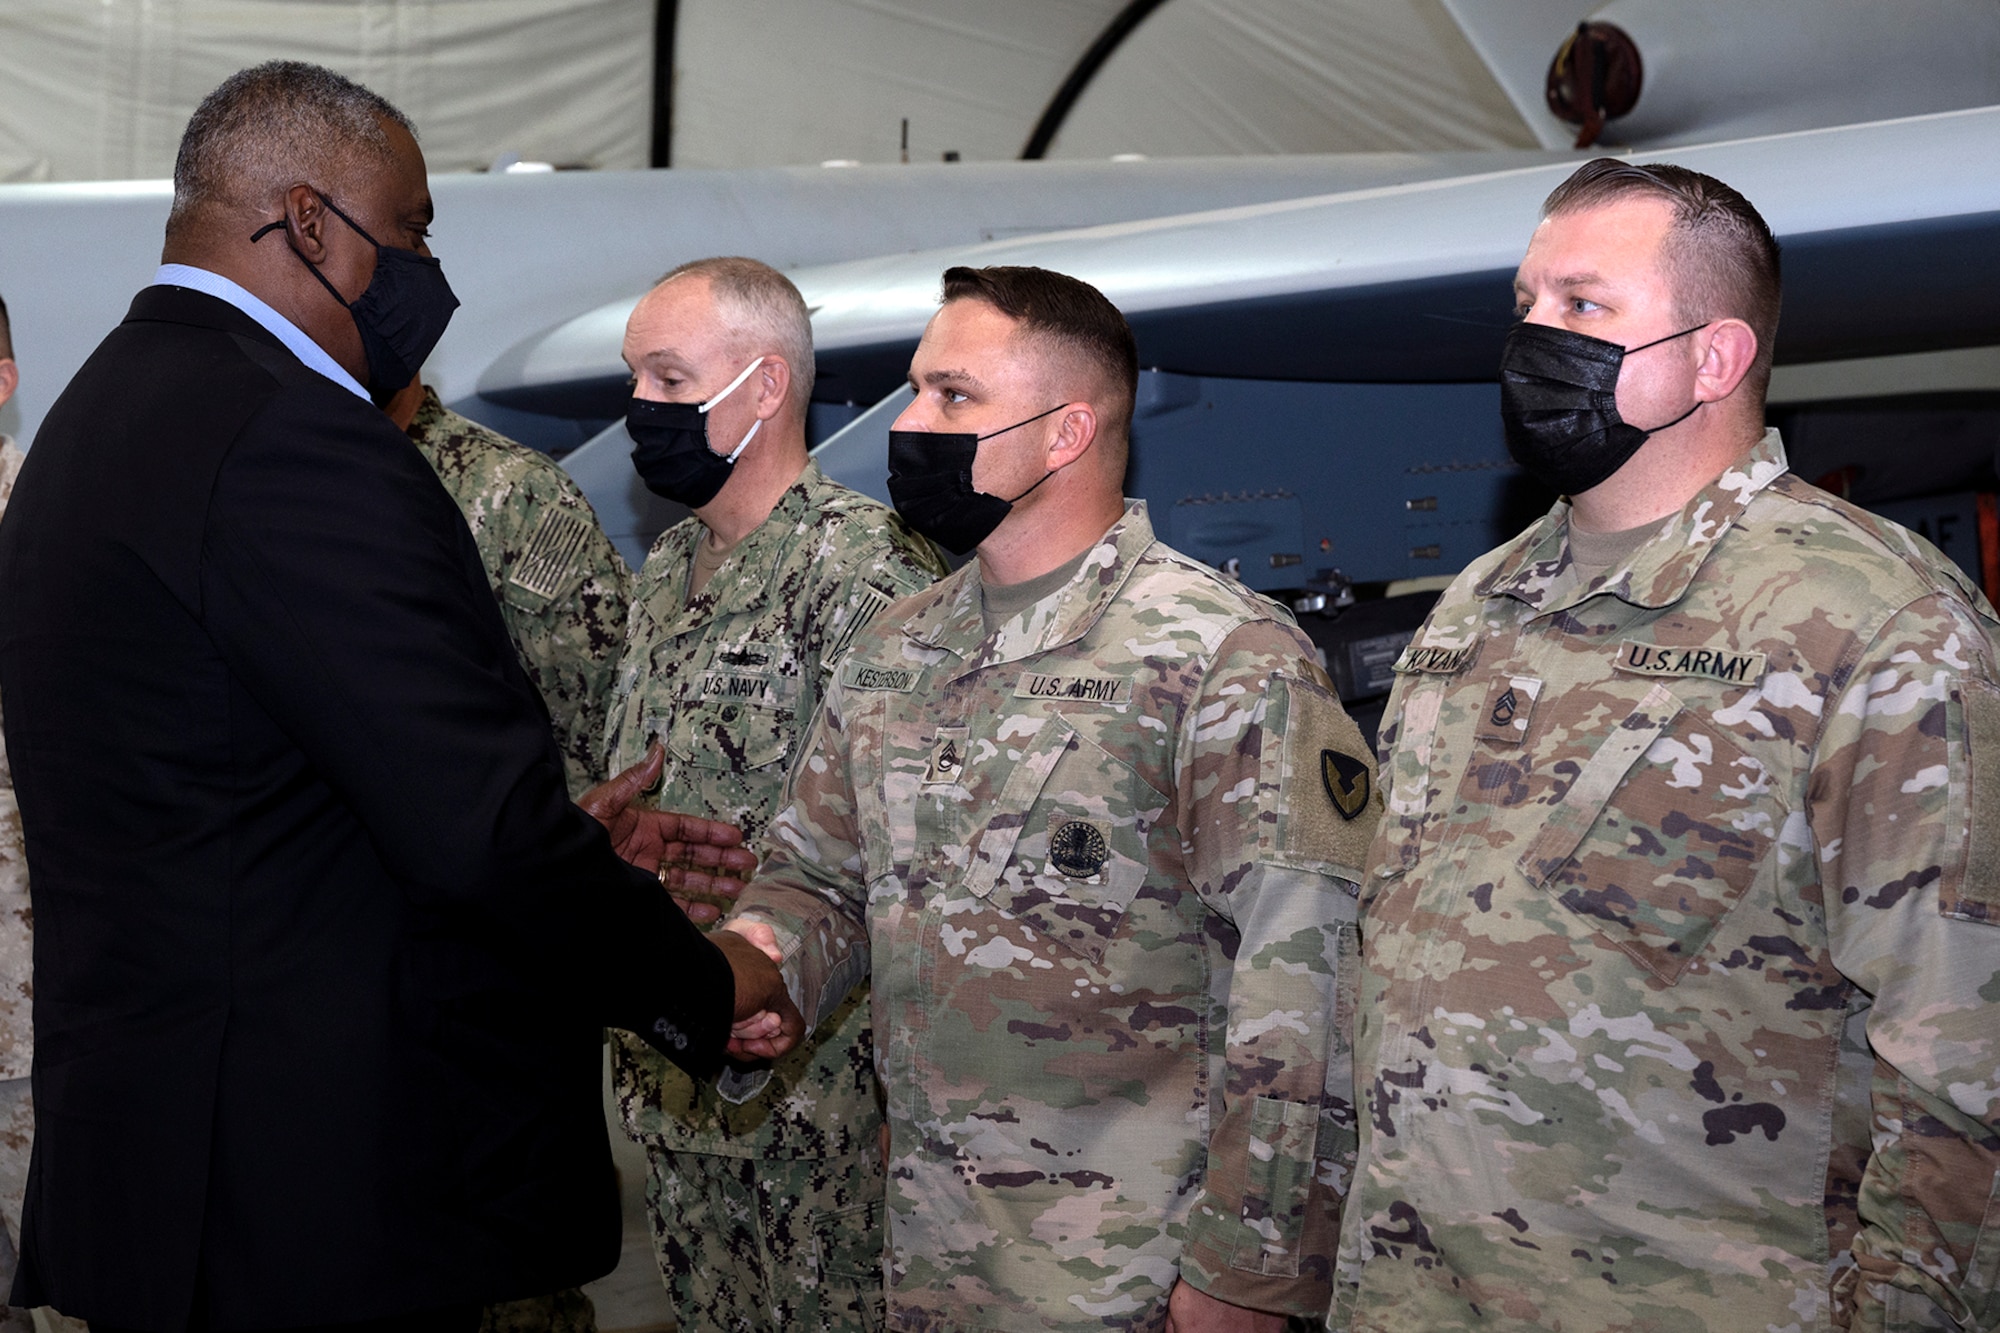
x=322 y=950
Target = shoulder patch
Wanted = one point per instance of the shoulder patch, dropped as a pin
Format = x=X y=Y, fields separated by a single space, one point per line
x=1326 y=785
x=1347 y=782
x=866 y=603
x=546 y=566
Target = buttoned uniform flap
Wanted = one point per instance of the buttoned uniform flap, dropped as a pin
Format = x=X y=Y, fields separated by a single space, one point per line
x=1659 y=835
x=1064 y=847
x=727 y=734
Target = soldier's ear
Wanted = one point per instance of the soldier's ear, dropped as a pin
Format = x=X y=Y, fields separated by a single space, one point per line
x=1076 y=429
x=774 y=386
x=1730 y=351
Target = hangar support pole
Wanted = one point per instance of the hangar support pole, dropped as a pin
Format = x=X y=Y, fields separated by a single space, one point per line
x=1079 y=78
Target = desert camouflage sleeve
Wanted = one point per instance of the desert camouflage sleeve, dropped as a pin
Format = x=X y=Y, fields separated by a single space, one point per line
x=1279 y=803
x=810 y=886
x=1904 y=813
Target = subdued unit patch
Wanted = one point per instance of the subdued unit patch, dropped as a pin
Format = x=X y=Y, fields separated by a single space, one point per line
x=1078 y=848
x=1346 y=780
x=1973 y=893
x=869 y=602
x=1329 y=795
x=550 y=559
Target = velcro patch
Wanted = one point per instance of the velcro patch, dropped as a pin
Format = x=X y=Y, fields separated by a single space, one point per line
x=1972 y=893
x=1729 y=667
x=735 y=685
x=1327 y=787
x=1437 y=661
x=948 y=757
x=862 y=676
x=867 y=603
x=1075 y=689
x=545 y=567
x=1510 y=706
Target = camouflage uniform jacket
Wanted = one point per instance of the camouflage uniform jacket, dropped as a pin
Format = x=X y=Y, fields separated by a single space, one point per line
x=1107 y=893
x=1659 y=851
x=560 y=583
x=729 y=683
x=17 y=1037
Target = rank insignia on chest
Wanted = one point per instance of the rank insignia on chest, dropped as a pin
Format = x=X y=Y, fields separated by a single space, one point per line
x=1078 y=849
x=1346 y=781
x=1509 y=707
x=947 y=757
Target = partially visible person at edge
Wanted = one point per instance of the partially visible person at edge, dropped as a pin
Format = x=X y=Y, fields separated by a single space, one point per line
x=561 y=585
x=1093 y=817
x=324 y=949
x=17 y=991
x=1681 y=996
x=562 y=591
x=766 y=1206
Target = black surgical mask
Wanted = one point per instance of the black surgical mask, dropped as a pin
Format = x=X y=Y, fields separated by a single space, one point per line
x=1559 y=403
x=670 y=446
x=930 y=483
x=400 y=316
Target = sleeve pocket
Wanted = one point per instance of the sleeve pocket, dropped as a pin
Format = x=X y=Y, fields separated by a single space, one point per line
x=1277 y=1186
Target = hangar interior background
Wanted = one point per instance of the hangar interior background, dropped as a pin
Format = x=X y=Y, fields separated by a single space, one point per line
x=581 y=147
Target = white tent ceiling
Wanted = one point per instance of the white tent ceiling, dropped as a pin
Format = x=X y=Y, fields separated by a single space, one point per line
x=102 y=90
x=1203 y=77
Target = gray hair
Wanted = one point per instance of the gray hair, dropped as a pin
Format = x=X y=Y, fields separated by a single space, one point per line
x=762 y=306
x=271 y=126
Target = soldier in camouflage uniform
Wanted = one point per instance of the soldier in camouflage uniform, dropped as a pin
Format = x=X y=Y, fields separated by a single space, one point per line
x=1094 y=815
x=1681 y=998
x=561 y=585
x=767 y=1211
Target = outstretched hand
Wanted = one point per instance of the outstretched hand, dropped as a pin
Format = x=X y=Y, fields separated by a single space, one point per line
x=701 y=862
x=767 y=1023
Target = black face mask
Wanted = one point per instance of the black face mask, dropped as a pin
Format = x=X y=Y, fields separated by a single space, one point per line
x=400 y=316
x=930 y=483
x=670 y=446
x=1559 y=403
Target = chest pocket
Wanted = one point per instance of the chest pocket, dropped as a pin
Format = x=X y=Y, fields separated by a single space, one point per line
x=1659 y=835
x=730 y=734
x=1064 y=849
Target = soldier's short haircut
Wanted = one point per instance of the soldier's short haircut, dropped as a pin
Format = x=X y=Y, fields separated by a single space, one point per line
x=1720 y=256
x=762 y=304
x=271 y=126
x=1069 y=315
x=6 y=334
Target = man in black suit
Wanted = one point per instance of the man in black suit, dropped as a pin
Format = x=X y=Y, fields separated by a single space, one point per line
x=322 y=949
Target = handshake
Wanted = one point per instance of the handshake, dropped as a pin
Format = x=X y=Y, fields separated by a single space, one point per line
x=704 y=866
